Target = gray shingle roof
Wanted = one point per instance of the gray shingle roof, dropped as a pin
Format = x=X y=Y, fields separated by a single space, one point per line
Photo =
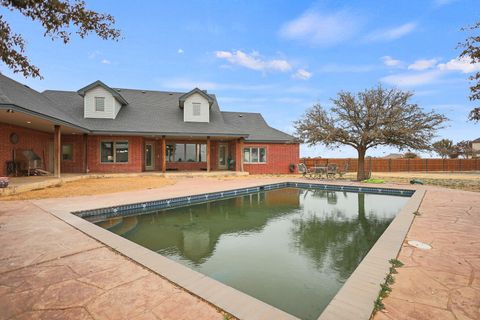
x=147 y=112
x=13 y=93
x=256 y=126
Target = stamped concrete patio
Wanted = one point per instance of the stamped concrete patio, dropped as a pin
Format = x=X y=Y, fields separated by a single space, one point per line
x=49 y=270
x=443 y=282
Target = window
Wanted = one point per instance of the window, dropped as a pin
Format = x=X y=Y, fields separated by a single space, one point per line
x=114 y=151
x=67 y=152
x=186 y=152
x=197 y=108
x=255 y=155
x=99 y=104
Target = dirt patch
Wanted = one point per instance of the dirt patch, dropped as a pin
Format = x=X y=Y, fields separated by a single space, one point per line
x=93 y=186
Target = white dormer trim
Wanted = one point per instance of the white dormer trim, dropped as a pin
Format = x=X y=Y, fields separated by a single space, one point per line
x=111 y=106
x=196 y=108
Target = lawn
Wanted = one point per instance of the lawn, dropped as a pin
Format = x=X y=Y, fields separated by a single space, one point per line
x=468 y=181
x=93 y=186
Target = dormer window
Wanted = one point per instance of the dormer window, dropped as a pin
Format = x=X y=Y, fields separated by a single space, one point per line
x=100 y=104
x=197 y=107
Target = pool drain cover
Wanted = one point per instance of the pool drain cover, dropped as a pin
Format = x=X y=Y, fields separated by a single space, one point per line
x=419 y=245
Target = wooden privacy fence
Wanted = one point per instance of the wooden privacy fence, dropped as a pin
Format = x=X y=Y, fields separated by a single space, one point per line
x=398 y=165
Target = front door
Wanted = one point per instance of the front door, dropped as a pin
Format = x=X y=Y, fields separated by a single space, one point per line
x=149 y=155
x=222 y=156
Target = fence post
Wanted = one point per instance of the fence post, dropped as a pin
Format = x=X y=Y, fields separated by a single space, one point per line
x=443 y=165
x=426 y=165
x=460 y=164
x=389 y=165
x=408 y=164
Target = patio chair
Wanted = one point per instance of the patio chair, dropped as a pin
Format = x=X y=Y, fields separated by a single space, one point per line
x=332 y=170
x=306 y=173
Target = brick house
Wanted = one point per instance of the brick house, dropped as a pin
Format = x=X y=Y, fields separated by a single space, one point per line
x=103 y=129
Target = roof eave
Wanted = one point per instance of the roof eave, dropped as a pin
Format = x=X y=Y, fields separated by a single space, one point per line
x=42 y=116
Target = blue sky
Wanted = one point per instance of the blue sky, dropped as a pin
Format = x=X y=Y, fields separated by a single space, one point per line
x=273 y=57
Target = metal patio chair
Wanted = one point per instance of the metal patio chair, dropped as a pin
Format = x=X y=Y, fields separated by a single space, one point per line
x=332 y=170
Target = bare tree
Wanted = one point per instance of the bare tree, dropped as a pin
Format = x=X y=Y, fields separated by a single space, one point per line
x=471 y=51
x=57 y=17
x=465 y=149
x=367 y=119
x=444 y=148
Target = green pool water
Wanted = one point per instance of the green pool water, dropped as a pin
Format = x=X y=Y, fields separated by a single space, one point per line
x=291 y=248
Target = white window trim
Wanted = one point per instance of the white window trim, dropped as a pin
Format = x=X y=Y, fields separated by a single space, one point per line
x=114 y=142
x=196 y=106
x=95 y=99
x=250 y=154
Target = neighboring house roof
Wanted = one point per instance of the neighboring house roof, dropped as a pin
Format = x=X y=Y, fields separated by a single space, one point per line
x=393 y=156
x=99 y=83
x=476 y=140
x=182 y=98
x=148 y=112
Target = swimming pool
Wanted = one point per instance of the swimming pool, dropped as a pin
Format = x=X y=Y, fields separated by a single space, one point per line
x=290 y=247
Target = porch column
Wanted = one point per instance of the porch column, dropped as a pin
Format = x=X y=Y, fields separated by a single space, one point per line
x=241 y=154
x=164 y=154
x=85 y=153
x=57 y=143
x=208 y=153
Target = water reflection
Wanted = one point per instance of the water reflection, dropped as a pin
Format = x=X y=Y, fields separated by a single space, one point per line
x=292 y=248
x=334 y=238
x=193 y=232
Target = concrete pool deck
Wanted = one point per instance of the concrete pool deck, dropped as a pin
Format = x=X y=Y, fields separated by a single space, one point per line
x=35 y=243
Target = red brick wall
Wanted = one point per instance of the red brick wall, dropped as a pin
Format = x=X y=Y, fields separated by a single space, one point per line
x=279 y=157
x=76 y=165
x=28 y=139
x=135 y=155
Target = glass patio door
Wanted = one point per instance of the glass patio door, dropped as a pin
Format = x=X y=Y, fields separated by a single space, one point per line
x=149 y=156
x=222 y=156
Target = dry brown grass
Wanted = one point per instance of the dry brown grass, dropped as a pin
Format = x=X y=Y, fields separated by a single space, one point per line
x=469 y=181
x=93 y=186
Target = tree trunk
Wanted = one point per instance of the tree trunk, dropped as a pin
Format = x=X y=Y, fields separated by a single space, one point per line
x=361 y=164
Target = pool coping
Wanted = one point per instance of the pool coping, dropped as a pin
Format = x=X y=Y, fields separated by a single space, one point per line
x=354 y=300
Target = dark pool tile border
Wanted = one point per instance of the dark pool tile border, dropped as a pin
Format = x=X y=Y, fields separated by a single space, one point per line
x=353 y=301
x=148 y=206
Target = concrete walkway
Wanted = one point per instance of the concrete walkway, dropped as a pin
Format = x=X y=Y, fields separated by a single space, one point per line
x=443 y=282
x=49 y=270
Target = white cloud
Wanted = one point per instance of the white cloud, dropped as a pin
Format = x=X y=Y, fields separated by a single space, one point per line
x=321 y=29
x=254 y=61
x=423 y=64
x=463 y=65
x=391 y=33
x=302 y=74
x=180 y=51
x=411 y=79
x=390 y=62
x=105 y=61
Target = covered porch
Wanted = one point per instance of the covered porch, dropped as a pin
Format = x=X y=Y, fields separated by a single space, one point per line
x=170 y=154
